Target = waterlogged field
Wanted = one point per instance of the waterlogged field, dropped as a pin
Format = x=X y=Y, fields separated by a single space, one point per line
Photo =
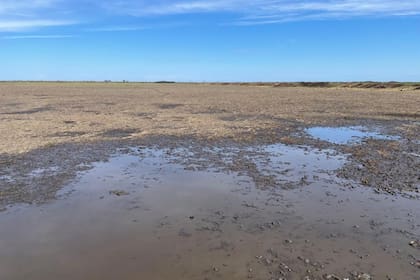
x=198 y=181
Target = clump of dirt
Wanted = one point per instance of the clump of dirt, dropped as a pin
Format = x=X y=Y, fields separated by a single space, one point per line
x=169 y=106
x=29 y=111
x=389 y=166
x=119 y=133
x=68 y=134
x=119 y=192
x=404 y=115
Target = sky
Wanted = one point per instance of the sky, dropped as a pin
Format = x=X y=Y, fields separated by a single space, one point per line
x=210 y=40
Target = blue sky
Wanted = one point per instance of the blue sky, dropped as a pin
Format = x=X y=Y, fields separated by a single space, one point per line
x=210 y=40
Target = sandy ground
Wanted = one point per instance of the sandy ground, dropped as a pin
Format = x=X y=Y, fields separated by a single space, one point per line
x=35 y=115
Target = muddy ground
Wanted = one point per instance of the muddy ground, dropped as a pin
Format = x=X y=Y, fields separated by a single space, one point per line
x=66 y=124
x=52 y=133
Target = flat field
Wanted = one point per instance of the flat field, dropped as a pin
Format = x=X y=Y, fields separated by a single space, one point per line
x=35 y=115
x=209 y=181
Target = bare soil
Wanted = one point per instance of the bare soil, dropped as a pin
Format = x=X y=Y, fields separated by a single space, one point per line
x=36 y=115
x=227 y=172
x=67 y=124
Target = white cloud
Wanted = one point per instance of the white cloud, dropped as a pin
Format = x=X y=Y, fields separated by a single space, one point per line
x=23 y=15
x=128 y=28
x=147 y=8
x=23 y=25
x=25 y=7
x=285 y=11
x=18 y=37
x=115 y=28
x=278 y=10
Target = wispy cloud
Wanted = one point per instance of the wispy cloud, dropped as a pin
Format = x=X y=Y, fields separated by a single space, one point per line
x=145 y=8
x=269 y=11
x=22 y=6
x=20 y=37
x=29 y=9
x=24 y=25
x=115 y=28
x=25 y=15
x=128 y=28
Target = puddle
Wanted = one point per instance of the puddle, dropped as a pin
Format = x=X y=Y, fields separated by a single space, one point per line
x=294 y=164
x=6 y=178
x=346 y=135
x=38 y=172
x=147 y=216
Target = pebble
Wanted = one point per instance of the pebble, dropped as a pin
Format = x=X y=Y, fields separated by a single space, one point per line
x=364 y=276
x=331 y=277
x=414 y=243
x=118 y=192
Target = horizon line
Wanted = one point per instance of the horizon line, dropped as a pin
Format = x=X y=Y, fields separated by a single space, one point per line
x=211 y=82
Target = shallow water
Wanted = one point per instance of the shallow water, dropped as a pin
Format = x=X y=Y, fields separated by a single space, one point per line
x=145 y=216
x=346 y=135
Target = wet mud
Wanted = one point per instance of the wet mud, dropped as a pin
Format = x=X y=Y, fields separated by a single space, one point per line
x=204 y=212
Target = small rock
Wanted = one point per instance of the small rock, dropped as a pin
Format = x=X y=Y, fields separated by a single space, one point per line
x=118 y=192
x=331 y=277
x=364 y=276
x=184 y=233
x=414 y=243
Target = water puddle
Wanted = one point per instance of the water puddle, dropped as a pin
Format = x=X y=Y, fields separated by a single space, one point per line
x=149 y=215
x=39 y=172
x=6 y=178
x=346 y=135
